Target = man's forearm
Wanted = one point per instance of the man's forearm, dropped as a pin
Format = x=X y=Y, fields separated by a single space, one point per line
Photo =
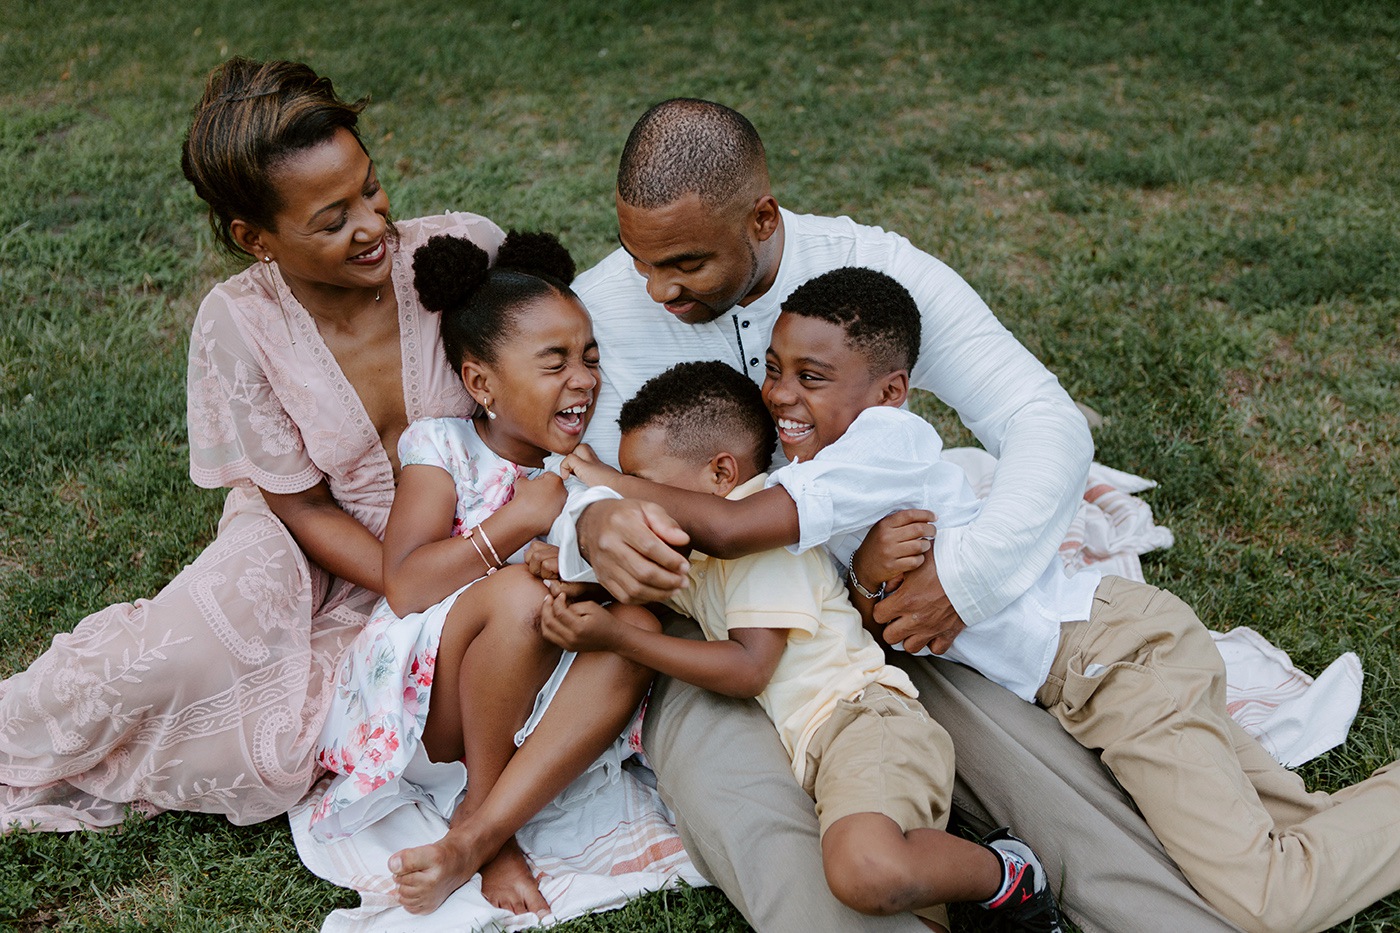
x=1039 y=483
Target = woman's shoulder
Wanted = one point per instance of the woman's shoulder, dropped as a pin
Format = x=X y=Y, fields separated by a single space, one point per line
x=247 y=295
x=480 y=230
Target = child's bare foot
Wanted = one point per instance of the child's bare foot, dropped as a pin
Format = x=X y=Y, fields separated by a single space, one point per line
x=508 y=883
x=425 y=875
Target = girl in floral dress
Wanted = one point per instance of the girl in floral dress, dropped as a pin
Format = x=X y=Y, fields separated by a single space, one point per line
x=435 y=683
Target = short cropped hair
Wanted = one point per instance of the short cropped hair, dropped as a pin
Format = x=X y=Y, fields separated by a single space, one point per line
x=879 y=316
x=684 y=146
x=705 y=408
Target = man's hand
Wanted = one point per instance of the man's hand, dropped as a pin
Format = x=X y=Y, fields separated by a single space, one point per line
x=632 y=547
x=918 y=613
x=895 y=545
x=584 y=464
x=582 y=626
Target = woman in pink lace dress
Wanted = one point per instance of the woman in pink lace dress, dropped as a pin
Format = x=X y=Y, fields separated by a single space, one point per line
x=304 y=369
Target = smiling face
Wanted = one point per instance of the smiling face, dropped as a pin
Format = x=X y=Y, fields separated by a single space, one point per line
x=331 y=229
x=543 y=383
x=700 y=260
x=816 y=384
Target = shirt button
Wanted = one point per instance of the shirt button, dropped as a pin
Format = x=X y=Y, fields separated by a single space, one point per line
x=743 y=323
x=753 y=361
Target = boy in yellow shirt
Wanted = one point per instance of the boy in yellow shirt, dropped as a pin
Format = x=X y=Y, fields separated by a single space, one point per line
x=780 y=628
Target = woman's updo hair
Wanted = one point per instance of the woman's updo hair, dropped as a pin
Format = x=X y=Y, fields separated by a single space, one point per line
x=480 y=302
x=253 y=116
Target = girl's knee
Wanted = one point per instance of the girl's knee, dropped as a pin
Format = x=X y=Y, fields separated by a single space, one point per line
x=516 y=592
x=508 y=603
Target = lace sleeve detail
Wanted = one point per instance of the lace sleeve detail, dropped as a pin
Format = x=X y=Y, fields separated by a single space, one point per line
x=239 y=430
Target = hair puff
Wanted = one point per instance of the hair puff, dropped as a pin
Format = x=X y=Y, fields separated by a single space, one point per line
x=447 y=270
x=539 y=254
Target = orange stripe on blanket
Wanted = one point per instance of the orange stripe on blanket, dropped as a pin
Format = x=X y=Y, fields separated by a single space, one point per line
x=651 y=855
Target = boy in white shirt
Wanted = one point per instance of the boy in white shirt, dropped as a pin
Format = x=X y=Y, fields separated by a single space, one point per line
x=780 y=628
x=1125 y=668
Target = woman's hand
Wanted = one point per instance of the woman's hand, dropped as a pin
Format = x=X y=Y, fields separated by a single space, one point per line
x=584 y=464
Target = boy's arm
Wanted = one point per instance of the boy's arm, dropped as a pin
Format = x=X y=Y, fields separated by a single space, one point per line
x=897 y=545
x=719 y=527
x=740 y=667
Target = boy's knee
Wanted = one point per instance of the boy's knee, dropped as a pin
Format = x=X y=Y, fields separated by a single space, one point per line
x=1192 y=644
x=867 y=879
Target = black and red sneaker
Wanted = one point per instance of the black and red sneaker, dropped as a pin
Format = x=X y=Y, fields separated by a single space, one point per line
x=1026 y=902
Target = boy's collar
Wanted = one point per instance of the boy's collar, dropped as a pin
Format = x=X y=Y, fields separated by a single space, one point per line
x=748 y=488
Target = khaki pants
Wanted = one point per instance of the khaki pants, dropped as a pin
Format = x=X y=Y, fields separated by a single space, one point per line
x=752 y=831
x=1142 y=681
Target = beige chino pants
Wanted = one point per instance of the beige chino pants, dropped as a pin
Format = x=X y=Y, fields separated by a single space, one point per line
x=1142 y=681
x=752 y=830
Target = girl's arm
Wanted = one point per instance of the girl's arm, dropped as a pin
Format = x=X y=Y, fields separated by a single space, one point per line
x=423 y=563
x=330 y=536
x=740 y=667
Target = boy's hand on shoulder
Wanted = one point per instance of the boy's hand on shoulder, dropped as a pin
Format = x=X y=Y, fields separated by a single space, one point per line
x=584 y=464
x=581 y=626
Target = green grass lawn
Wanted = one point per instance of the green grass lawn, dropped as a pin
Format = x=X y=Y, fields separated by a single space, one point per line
x=1190 y=212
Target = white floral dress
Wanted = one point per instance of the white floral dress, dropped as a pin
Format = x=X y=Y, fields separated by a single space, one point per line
x=372 y=735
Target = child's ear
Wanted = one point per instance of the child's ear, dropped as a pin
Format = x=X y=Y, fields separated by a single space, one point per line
x=895 y=388
x=723 y=473
x=477 y=380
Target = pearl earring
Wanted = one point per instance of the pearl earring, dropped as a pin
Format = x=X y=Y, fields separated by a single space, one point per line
x=491 y=415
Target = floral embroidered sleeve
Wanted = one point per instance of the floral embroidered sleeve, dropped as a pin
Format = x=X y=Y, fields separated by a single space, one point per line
x=423 y=444
x=239 y=428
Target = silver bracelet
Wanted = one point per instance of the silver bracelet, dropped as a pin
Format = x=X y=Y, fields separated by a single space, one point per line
x=851 y=575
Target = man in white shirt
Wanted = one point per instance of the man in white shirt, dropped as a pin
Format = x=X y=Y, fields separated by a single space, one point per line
x=707 y=257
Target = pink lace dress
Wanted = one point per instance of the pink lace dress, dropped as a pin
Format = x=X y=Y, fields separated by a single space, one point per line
x=211 y=696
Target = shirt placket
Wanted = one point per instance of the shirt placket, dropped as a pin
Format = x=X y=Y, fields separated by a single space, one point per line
x=747 y=360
